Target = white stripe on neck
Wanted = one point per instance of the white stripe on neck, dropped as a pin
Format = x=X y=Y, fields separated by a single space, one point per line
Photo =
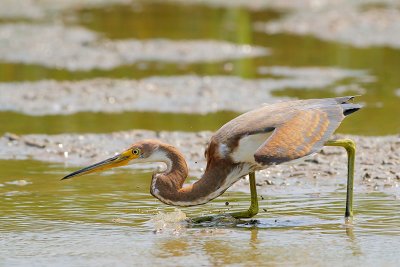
x=161 y=156
x=157 y=156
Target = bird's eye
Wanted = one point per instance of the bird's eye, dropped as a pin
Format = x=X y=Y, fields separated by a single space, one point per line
x=136 y=151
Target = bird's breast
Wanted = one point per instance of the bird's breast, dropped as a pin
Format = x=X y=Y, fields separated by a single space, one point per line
x=237 y=172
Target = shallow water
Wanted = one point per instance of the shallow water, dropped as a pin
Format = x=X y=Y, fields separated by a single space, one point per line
x=90 y=122
x=109 y=219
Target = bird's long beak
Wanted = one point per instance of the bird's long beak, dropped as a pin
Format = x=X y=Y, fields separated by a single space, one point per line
x=116 y=161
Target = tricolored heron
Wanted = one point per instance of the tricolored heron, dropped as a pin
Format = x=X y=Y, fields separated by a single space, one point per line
x=269 y=135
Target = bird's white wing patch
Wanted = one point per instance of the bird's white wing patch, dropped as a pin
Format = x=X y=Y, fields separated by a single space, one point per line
x=248 y=145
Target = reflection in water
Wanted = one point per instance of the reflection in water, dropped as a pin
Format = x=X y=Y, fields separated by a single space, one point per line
x=211 y=244
x=253 y=238
x=176 y=247
x=353 y=244
x=297 y=230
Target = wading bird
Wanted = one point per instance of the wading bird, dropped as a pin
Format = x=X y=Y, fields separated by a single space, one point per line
x=255 y=140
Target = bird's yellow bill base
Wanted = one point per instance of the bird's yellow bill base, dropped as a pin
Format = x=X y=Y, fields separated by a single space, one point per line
x=116 y=161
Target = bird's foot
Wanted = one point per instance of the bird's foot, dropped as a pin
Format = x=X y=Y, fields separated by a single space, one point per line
x=250 y=213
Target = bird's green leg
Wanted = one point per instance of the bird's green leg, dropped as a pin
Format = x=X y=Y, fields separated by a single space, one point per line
x=350 y=147
x=252 y=211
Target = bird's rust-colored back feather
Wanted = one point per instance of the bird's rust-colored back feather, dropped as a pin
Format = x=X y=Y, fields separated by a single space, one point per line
x=300 y=127
x=294 y=139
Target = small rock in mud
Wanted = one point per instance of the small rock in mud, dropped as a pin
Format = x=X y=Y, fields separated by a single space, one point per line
x=12 y=136
x=269 y=182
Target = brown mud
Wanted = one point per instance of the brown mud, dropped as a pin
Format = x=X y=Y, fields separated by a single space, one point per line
x=76 y=48
x=164 y=94
x=377 y=165
x=358 y=25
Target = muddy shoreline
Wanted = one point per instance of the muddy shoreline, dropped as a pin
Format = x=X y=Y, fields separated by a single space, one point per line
x=354 y=25
x=377 y=159
x=76 y=48
x=164 y=94
x=358 y=23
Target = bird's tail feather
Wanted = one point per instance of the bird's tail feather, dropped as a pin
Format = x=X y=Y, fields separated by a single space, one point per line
x=350 y=108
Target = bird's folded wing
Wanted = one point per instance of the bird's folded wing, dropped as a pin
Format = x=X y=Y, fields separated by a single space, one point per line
x=305 y=133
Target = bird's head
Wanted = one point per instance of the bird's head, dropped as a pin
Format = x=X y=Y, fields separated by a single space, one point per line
x=140 y=152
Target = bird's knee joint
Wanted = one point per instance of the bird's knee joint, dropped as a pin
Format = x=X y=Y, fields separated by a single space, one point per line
x=348 y=144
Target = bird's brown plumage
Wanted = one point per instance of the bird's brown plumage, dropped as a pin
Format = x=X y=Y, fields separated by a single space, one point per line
x=268 y=135
x=298 y=128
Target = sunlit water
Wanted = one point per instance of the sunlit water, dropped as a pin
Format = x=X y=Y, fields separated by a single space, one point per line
x=113 y=220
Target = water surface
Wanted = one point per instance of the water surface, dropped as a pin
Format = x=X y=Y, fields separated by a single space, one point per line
x=102 y=220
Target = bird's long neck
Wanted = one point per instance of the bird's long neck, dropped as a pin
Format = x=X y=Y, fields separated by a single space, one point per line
x=168 y=185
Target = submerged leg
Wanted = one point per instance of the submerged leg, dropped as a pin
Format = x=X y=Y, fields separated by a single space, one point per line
x=350 y=147
x=252 y=211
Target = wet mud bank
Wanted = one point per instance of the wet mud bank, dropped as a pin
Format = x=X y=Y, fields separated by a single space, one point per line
x=377 y=165
x=76 y=48
x=354 y=24
x=164 y=94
